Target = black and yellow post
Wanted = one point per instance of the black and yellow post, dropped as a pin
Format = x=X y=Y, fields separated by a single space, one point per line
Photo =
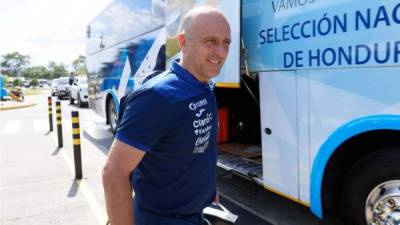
x=59 y=124
x=76 y=140
x=50 y=113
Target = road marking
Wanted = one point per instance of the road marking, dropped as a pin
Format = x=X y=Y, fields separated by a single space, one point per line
x=40 y=125
x=84 y=188
x=248 y=209
x=11 y=127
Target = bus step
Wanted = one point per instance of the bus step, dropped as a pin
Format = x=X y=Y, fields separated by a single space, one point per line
x=242 y=166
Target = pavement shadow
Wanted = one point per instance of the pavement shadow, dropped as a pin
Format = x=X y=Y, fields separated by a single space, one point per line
x=73 y=190
x=103 y=144
x=47 y=133
x=56 y=151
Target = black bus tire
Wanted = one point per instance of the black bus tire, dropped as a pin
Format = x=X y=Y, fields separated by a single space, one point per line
x=112 y=116
x=366 y=179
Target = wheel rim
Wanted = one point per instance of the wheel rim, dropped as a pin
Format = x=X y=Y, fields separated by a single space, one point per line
x=113 y=116
x=383 y=204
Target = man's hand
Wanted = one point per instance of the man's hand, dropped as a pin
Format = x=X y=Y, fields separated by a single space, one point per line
x=121 y=161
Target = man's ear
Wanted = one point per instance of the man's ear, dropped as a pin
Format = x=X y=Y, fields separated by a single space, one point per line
x=182 y=41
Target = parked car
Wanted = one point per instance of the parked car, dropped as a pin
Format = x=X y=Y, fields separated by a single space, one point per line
x=43 y=83
x=26 y=83
x=62 y=87
x=53 y=87
x=79 y=91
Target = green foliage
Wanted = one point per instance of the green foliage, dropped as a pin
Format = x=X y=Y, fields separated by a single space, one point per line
x=30 y=91
x=79 y=65
x=34 y=83
x=36 y=72
x=6 y=79
x=56 y=70
x=53 y=70
x=13 y=63
x=17 y=82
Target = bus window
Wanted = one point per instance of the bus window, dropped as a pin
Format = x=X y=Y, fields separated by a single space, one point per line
x=107 y=28
x=158 y=19
x=138 y=19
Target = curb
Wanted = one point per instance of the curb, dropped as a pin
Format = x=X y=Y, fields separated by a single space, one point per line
x=3 y=108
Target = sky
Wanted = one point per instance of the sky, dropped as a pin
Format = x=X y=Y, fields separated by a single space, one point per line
x=47 y=29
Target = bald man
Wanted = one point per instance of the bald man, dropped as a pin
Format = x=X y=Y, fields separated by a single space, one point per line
x=166 y=144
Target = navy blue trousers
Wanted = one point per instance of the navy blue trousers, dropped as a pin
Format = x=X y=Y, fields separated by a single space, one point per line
x=146 y=217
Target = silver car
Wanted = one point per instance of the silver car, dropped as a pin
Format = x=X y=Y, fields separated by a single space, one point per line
x=62 y=87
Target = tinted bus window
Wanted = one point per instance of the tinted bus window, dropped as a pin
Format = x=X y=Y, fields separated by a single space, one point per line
x=138 y=18
x=107 y=28
x=158 y=18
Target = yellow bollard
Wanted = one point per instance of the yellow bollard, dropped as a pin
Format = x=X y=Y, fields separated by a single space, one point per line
x=76 y=140
x=50 y=113
x=59 y=124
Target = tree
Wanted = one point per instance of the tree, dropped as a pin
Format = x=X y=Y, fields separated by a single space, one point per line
x=13 y=63
x=17 y=82
x=56 y=70
x=79 y=65
x=36 y=72
x=34 y=83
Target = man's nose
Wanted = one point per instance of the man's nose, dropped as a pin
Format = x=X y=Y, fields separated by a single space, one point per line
x=220 y=50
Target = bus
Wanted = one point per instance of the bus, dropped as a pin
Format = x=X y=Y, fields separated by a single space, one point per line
x=308 y=100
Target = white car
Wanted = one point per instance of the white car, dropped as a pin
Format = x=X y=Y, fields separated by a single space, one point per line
x=26 y=83
x=79 y=91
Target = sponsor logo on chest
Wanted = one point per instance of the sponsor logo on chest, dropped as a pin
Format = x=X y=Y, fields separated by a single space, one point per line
x=202 y=125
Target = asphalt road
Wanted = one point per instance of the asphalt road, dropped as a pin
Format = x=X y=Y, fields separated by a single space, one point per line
x=37 y=184
x=254 y=204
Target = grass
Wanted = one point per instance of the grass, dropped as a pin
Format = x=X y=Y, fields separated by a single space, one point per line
x=27 y=91
x=31 y=91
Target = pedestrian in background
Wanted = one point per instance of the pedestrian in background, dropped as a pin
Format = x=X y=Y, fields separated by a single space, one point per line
x=166 y=143
x=71 y=78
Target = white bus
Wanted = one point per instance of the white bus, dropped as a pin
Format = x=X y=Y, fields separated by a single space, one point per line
x=309 y=101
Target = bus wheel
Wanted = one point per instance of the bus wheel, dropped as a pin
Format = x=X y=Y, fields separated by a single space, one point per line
x=71 y=100
x=112 y=115
x=373 y=191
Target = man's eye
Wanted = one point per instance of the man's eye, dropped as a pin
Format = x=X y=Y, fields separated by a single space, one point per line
x=210 y=42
